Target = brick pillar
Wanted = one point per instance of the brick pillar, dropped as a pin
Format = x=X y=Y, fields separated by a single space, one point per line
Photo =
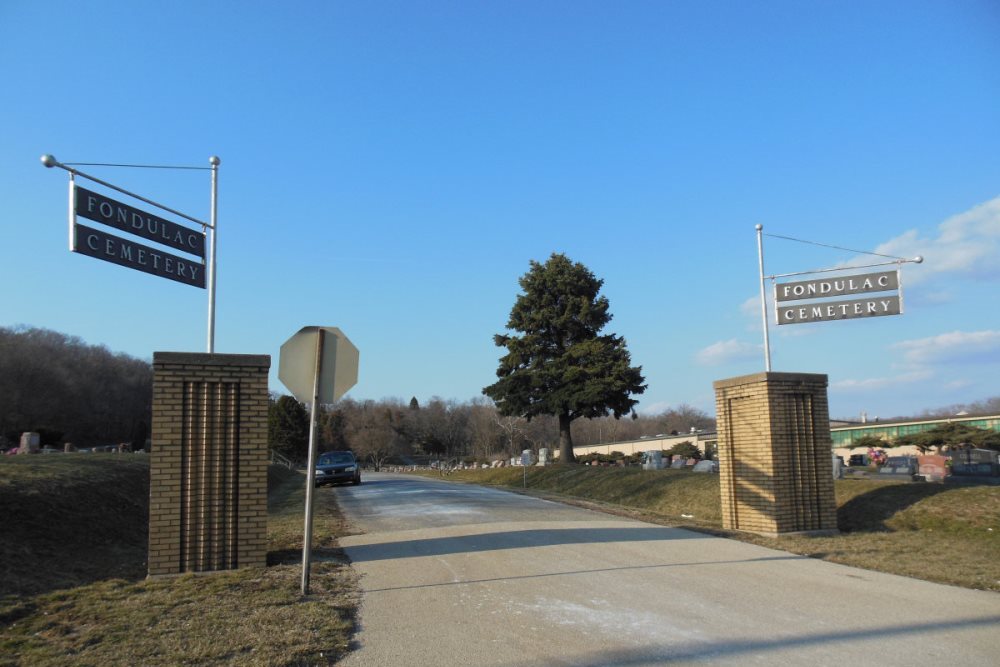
x=208 y=465
x=774 y=453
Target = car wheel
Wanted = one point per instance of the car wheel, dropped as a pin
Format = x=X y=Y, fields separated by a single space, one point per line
x=356 y=481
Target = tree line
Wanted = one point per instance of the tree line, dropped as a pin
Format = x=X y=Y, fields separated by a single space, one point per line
x=402 y=432
x=69 y=391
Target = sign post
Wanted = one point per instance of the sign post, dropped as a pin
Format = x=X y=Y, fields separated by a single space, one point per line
x=318 y=365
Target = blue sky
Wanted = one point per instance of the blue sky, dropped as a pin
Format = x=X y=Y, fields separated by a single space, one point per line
x=390 y=168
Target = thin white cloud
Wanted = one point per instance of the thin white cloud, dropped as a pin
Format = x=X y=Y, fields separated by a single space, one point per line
x=967 y=244
x=958 y=384
x=956 y=346
x=655 y=408
x=751 y=308
x=727 y=351
x=875 y=384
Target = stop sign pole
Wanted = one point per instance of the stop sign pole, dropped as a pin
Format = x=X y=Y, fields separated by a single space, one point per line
x=311 y=469
x=318 y=365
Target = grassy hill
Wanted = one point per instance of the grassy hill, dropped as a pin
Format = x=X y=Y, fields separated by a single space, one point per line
x=938 y=532
x=73 y=588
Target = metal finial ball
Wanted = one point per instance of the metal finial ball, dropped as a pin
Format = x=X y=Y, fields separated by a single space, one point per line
x=918 y=259
x=214 y=161
x=49 y=160
x=758 y=227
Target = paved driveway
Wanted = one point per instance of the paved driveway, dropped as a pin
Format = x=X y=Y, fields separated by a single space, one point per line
x=462 y=575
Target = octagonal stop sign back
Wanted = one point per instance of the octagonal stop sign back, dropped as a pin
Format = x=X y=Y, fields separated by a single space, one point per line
x=297 y=364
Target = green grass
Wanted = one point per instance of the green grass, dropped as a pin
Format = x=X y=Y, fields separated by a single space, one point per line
x=944 y=533
x=103 y=612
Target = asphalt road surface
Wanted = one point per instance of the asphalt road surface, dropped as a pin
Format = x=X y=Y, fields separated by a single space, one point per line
x=462 y=575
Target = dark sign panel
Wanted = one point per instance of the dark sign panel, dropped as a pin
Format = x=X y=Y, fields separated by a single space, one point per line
x=134 y=221
x=825 y=287
x=876 y=306
x=95 y=243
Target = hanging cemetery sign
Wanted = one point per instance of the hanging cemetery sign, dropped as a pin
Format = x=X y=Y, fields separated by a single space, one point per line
x=825 y=310
x=128 y=219
x=101 y=245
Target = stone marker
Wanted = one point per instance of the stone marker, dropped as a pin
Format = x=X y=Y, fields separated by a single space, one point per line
x=838 y=467
x=30 y=442
x=933 y=468
x=975 y=463
x=904 y=466
x=653 y=460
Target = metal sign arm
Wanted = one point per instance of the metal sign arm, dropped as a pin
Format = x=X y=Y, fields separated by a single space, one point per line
x=50 y=161
x=916 y=260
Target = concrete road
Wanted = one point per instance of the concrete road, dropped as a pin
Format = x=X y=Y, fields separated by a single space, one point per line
x=461 y=575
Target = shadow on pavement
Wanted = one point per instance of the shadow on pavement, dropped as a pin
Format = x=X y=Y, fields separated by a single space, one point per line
x=516 y=539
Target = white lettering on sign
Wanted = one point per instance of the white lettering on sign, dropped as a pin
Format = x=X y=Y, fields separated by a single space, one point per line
x=134 y=221
x=827 y=287
x=120 y=251
x=839 y=310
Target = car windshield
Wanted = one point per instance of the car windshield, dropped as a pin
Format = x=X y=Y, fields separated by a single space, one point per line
x=335 y=457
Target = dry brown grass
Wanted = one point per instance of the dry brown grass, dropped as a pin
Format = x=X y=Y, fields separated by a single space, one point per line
x=252 y=616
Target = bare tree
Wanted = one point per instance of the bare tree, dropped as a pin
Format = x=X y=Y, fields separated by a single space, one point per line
x=370 y=433
x=70 y=391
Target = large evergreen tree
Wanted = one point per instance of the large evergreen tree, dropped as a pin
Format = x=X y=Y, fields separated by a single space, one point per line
x=561 y=364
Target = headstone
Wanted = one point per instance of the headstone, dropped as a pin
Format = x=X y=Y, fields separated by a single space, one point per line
x=30 y=443
x=975 y=463
x=704 y=466
x=677 y=464
x=858 y=460
x=543 y=456
x=69 y=447
x=838 y=467
x=653 y=460
x=905 y=466
x=933 y=468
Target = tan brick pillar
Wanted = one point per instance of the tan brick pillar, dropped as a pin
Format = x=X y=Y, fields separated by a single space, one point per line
x=208 y=465
x=775 y=466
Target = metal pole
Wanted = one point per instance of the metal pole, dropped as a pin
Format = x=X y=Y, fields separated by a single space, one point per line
x=763 y=299
x=214 y=161
x=899 y=285
x=72 y=211
x=311 y=469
